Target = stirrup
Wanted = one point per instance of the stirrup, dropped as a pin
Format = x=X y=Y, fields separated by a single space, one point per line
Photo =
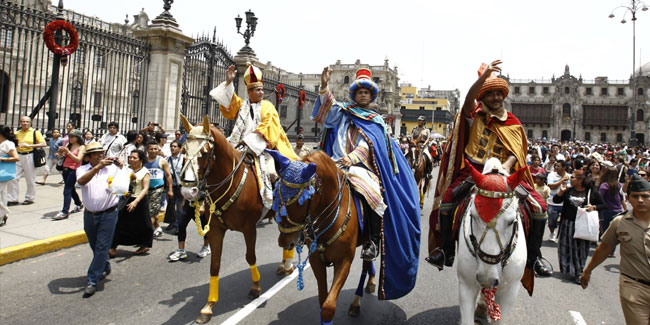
x=430 y=260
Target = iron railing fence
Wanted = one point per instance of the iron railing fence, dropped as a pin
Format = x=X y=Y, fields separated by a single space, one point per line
x=103 y=81
x=206 y=63
x=288 y=109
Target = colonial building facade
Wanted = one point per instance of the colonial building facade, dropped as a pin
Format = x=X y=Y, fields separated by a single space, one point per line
x=435 y=106
x=569 y=107
x=384 y=76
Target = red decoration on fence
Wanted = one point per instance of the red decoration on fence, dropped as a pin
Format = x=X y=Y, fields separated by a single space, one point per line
x=301 y=99
x=280 y=91
x=48 y=36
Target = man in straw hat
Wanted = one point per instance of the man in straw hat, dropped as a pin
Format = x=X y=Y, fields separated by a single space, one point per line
x=631 y=229
x=356 y=136
x=257 y=127
x=100 y=215
x=483 y=130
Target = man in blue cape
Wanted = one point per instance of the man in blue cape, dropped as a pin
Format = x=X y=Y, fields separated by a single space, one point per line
x=356 y=137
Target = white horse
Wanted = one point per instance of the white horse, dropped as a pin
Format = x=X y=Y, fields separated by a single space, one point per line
x=491 y=245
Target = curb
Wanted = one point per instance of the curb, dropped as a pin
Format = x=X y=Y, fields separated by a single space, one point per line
x=38 y=247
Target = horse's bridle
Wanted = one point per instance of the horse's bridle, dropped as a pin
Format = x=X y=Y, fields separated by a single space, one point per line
x=209 y=189
x=504 y=252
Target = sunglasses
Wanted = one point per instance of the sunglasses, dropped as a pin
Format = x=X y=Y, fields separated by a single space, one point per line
x=643 y=174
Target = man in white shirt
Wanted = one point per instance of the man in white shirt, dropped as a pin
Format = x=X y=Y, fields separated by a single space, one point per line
x=112 y=142
x=100 y=216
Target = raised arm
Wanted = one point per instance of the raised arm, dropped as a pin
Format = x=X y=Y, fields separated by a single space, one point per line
x=224 y=94
x=326 y=109
x=470 y=99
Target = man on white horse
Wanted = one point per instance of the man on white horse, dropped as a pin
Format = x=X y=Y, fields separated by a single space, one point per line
x=257 y=127
x=483 y=131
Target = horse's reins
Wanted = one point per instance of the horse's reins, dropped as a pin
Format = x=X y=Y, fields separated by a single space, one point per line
x=317 y=223
x=504 y=252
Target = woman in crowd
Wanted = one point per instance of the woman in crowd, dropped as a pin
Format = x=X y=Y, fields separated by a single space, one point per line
x=52 y=157
x=133 y=224
x=123 y=155
x=534 y=167
x=69 y=127
x=609 y=190
x=73 y=155
x=88 y=137
x=555 y=178
x=550 y=165
x=594 y=171
x=141 y=140
x=572 y=252
x=8 y=155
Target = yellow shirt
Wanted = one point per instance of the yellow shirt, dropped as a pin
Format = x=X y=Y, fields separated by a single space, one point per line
x=28 y=138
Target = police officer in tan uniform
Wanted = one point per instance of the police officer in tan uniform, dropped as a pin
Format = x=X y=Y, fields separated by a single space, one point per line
x=632 y=230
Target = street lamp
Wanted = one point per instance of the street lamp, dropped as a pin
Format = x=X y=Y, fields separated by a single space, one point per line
x=251 y=25
x=632 y=8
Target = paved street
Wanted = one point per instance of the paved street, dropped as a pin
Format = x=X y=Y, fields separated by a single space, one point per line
x=150 y=290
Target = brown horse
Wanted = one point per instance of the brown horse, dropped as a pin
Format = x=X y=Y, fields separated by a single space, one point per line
x=326 y=220
x=227 y=178
x=418 y=164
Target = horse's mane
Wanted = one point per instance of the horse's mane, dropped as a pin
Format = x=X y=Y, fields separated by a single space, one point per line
x=222 y=143
x=323 y=162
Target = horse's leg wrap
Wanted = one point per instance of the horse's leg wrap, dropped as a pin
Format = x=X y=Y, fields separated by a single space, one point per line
x=287 y=254
x=213 y=296
x=255 y=274
x=362 y=281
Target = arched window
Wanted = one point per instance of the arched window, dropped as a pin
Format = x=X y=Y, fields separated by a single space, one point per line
x=619 y=137
x=603 y=137
x=77 y=93
x=136 y=101
x=639 y=92
x=4 y=92
x=346 y=80
x=588 y=136
x=639 y=115
x=544 y=134
x=566 y=90
x=529 y=134
x=566 y=110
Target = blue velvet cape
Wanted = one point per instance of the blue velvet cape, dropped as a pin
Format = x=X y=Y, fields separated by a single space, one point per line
x=401 y=221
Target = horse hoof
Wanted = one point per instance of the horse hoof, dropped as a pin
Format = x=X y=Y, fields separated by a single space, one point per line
x=354 y=311
x=203 y=318
x=370 y=288
x=254 y=293
x=284 y=272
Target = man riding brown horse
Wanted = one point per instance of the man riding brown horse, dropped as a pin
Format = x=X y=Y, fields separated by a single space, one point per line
x=257 y=127
x=420 y=137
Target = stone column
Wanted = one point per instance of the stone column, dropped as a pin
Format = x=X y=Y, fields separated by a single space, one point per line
x=165 y=75
x=242 y=59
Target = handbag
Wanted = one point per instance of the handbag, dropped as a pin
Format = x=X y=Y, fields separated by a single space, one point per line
x=39 y=155
x=7 y=170
x=59 y=164
x=586 y=224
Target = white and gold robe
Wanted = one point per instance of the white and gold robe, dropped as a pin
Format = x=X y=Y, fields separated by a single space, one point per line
x=259 y=132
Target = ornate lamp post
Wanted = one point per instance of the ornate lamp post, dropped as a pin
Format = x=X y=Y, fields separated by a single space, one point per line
x=251 y=24
x=632 y=9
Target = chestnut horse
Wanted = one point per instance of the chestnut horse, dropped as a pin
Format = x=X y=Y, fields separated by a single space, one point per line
x=326 y=219
x=418 y=164
x=226 y=176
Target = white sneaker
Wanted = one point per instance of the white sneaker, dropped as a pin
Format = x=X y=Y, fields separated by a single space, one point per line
x=158 y=232
x=178 y=255
x=77 y=208
x=205 y=251
x=552 y=237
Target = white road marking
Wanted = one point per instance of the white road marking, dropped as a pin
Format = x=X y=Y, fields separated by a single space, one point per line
x=241 y=314
x=577 y=318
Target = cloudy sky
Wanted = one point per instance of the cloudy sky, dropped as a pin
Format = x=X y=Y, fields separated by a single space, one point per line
x=438 y=43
